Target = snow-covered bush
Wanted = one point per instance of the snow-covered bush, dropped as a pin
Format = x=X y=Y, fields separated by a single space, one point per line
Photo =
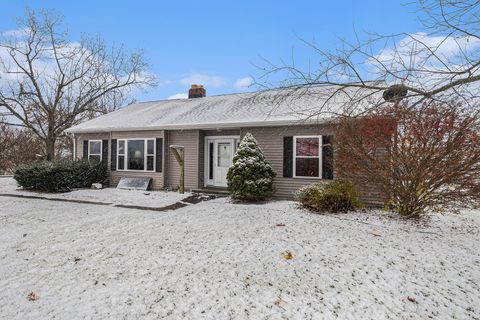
x=335 y=196
x=251 y=176
x=61 y=175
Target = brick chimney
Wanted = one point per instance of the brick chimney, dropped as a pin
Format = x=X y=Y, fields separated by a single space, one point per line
x=196 y=91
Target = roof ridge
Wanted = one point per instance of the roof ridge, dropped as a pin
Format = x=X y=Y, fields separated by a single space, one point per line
x=315 y=85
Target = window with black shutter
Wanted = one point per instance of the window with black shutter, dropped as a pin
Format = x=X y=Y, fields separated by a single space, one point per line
x=307 y=160
x=308 y=157
x=94 y=150
x=136 y=154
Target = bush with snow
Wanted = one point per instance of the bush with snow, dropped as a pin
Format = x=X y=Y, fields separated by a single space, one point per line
x=251 y=176
x=61 y=175
x=335 y=196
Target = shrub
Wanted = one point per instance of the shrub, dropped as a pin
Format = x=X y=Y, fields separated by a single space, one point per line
x=335 y=196
x=251 y=176
x=421 y=157
x=60 y=175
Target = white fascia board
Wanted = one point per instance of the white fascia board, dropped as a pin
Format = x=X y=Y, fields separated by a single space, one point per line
x=203 y=126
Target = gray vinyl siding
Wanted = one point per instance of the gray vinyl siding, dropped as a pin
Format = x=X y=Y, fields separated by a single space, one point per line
x=89 y=136
x=157 y=177
x=115 y=176
x=270 y=140
x=190 y=139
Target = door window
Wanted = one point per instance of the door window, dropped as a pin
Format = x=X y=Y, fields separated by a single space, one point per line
x=224 y=153
x=210 y=160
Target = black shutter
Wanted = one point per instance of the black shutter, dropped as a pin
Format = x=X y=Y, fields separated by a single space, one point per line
x=113 y=162
x=287 y=157
x=327 y=157
x=105 y=151
x=159 y=155
x=85 y=150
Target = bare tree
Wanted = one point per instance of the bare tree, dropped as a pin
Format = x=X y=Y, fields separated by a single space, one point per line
x=438 y=62
x=421 y=152
x=17 y=146
x=48 y=84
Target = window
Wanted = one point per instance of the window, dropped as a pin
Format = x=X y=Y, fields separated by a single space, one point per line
x=136 y=155
x=95 y=150
x=223 y=156
x=307 y=157
x=121 y=155
x=150 y=154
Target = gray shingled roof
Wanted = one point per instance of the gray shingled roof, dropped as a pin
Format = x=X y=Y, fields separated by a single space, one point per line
x=268 y=108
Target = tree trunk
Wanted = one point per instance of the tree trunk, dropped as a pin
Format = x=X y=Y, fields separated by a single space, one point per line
x=50 y=147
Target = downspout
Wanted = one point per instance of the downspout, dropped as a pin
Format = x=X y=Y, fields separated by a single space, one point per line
x=74 y=153
x=109 y=160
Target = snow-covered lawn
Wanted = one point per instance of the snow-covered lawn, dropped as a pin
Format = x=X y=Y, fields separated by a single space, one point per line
x=108 y=195
x=220 y=260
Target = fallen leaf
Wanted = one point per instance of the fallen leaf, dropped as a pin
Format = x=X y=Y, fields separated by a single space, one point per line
x=287 y=255
x=32 y=296
x=281 y=303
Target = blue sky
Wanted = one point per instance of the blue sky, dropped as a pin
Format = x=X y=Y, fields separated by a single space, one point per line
x=219 y=42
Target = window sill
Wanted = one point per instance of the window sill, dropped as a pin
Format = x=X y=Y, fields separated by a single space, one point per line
x=145 y=171
x=312 y=178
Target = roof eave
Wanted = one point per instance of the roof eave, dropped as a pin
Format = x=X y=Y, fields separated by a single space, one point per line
x=203 y=126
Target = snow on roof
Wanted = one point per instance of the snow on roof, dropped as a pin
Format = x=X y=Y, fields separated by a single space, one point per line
x=267 y=108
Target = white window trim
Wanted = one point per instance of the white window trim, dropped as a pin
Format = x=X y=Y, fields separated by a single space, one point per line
x=310 y=157
x=95 y=154
x=146 y=154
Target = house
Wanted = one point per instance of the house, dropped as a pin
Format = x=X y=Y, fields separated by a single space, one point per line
x=294 y=136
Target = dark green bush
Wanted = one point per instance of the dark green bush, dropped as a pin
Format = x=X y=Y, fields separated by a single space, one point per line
x=251 y=176
x=60 y=175
x=335 y=196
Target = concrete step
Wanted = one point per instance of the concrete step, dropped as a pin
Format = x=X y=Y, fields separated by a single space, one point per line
x=216 y=191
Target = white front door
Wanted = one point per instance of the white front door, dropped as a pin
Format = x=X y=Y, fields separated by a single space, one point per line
x=219 y=157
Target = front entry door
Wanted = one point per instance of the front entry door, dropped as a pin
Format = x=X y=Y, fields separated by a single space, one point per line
x=220 y=156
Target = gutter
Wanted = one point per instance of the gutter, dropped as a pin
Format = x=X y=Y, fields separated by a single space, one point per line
x=205 y=126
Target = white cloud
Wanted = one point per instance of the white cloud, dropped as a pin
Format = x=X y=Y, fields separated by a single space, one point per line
x=243 y=83
x=178 y=96
x=203 y=79
x=15 y=32
x=421 y=46
x=427 y=61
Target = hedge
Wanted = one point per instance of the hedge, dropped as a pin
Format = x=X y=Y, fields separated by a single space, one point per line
x=60 y=175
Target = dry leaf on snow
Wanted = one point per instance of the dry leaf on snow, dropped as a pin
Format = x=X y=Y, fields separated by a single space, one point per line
x=287 y=255
x=32 y=296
